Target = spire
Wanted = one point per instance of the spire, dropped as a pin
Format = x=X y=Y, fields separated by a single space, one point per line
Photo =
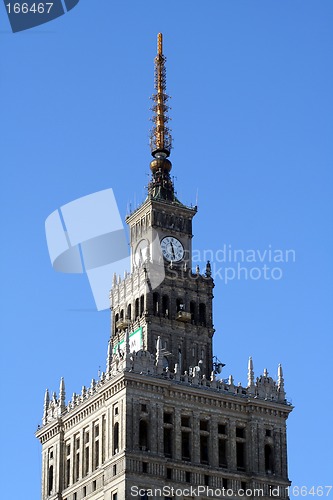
x=62 y=394
x=46 y=405
x=250 y=373
x=280 y=381
x=161 y=185
x=160 y=139
x=109 y=358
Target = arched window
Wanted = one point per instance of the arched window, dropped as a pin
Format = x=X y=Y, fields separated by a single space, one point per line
x=116 y=319
x=137 y=314
x=116 y=438
x=179 y=305
x=269 y=459
x=129 y=312
x=142 y=304
x=156 y=299
x=165 y=306
x=50 y=480
x=202 y=314
x=193 y=311
x=143 y=435
x=122 y=314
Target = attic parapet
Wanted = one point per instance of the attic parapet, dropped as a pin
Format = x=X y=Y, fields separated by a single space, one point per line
x=149 y=365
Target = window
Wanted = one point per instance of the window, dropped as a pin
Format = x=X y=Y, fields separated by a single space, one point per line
x=144 y=467
x=84 y=491
x=143 y=435
x=156 y=299
x=204 y=425
x=185 y=421
x=116 y=410
x=168 y=439
x=169 y=473
x=202 y=314
x=179 y=305
x=240 y=432
x=193 y=311
x=268 y=432
x=142 y=304
x=114 y=470
x=94 y=485
x=165 y=306
x=204 y=449
x=225 y=483
x=129 y=312
x=187 y=476
x=167 y=418
x=116 y=438
x=268 y=459
x=186 y=454
x=115 y=496
x=223 y=453
x=50 y=480
x=240 y=455
x=222 y=429
x=75 y=496
x=136 y=308
x=144 y=408
x=243 y=485
x=206 y=480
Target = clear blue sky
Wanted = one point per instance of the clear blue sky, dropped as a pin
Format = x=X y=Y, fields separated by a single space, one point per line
x=252 y=123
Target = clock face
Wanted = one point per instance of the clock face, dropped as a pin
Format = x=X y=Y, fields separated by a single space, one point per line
x=172 y=249
x=141 y=252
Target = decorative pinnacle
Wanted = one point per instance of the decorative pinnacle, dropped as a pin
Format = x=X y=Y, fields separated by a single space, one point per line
x=160 y=139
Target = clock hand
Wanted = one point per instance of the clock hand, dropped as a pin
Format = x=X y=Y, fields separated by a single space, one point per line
x=173 y=252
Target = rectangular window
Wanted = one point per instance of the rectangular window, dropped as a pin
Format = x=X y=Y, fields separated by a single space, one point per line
x=223 y=453
x=225 y=483
x=240 y=432
x=204 y=449
x=187 y=476
x=115 y=496
x=185 y=421
x=168 y=438
x=240 y=454
x=186 y=453
x=84 y=491
x=222 y=429
x=204 y=425
x=167 y=418
x=115 y=470
x=94 y=485
x=169 y=473
x=144 y=467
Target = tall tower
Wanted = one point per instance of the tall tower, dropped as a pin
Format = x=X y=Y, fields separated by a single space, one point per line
x=159 y=420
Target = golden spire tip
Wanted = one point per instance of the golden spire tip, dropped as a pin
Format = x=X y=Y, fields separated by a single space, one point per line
x=160 y=44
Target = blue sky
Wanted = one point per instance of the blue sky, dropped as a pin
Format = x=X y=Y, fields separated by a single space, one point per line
x=252 y=123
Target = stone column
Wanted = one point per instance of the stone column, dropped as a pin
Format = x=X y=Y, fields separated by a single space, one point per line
x=177 y=435
x=213 y=442
x=91 y=446
x=277 y=451
x=160 y=429
x=231 y=450
x=261 y=448
x=284 y=464
x=195 y=441
x=71 y=474
x=100 y=439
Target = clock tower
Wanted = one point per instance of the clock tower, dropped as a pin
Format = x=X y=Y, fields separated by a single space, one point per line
x=159 y=422
x=171 y=302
